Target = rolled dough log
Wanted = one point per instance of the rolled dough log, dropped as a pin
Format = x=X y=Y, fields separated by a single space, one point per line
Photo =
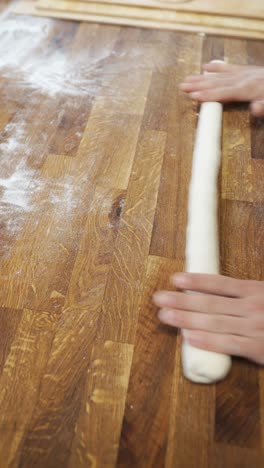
x=202 y=245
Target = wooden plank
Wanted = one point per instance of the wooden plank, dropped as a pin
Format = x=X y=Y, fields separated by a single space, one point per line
x=89 y=276
x=9 y=321
x=213 y=49
x=237 y=410
x=129 y=92
x=258 y=180
x=25 y=138
x=120 y=307
x=255 y=10
x=54 y=202
x=191 y=421
x=23 y=372
x=256 y=56
x=70 y=426
x=151 y=14
x=237 y=233
x=236 y=150
x=27 y=7
x=60 y=198
x=236 y=51
x=168 y=237
x=146 y=420
x=70 y=129
x=99 y=425
x=259 y=239
x=72 y=118
x=257 y=138
x=5 y=118
x=122 y=142
x=236 y=162
x=223 y=455
x=51 y=429
x=237 y=420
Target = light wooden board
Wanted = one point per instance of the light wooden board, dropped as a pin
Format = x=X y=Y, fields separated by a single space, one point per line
x=29 y=8
x=241 y=8
x=167 y=16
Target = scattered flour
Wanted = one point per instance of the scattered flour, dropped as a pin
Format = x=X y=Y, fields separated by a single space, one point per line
x=65 y=195
x=26 y=60
x=16 y=141
x=16 y=189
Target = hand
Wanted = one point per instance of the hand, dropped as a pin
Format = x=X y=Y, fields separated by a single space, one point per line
x=229 y=83
x=227 y=318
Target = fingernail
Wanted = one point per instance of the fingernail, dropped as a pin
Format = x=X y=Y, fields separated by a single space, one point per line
x=187 y=335
x=168 y=316
x=163 y=314
x=181 y=280
x=159 y=297
x=195 y=95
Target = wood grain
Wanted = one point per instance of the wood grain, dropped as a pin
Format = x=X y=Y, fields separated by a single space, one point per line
x=93 y=197
x=168 y=237
x=218 y=7
x=256 y=56
x=161 y=15
x=252 y=30
x=238 y=420
x=20 y=380
x=124 y=286
x=9 y=320
x=184 y=431
x=103 y=405
x=148 y=396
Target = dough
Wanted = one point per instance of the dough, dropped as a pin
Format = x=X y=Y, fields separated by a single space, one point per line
x=202 y=245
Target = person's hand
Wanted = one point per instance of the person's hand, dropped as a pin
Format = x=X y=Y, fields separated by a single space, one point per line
x=228 y=317
x=229 y=83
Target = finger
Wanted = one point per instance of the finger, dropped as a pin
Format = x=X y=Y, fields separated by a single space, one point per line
x=222 y=67
x=195 y=321
x=209 y=83
x=216 y=284
x=217 y=67
x=192 y=78
x=257 y=108
x=204 y=303
x=227 y=344
x=219 y=94
x=211 y=80
x=200 y=85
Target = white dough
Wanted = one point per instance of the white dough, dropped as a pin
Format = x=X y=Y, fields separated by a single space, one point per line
x=202 y=244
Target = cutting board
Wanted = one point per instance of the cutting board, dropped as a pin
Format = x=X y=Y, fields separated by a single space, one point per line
x=195 y=22
x=241 y=8
x=151 y=14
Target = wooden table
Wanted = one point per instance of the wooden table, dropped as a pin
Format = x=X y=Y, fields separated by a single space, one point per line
x=96 y=150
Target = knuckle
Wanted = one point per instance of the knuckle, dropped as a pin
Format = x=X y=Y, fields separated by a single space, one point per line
x=208 y=303
x=254 y=305
x=218 y=321
x=182 y=301
x=181 y=321
x=254 y=287
x=257 y=324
